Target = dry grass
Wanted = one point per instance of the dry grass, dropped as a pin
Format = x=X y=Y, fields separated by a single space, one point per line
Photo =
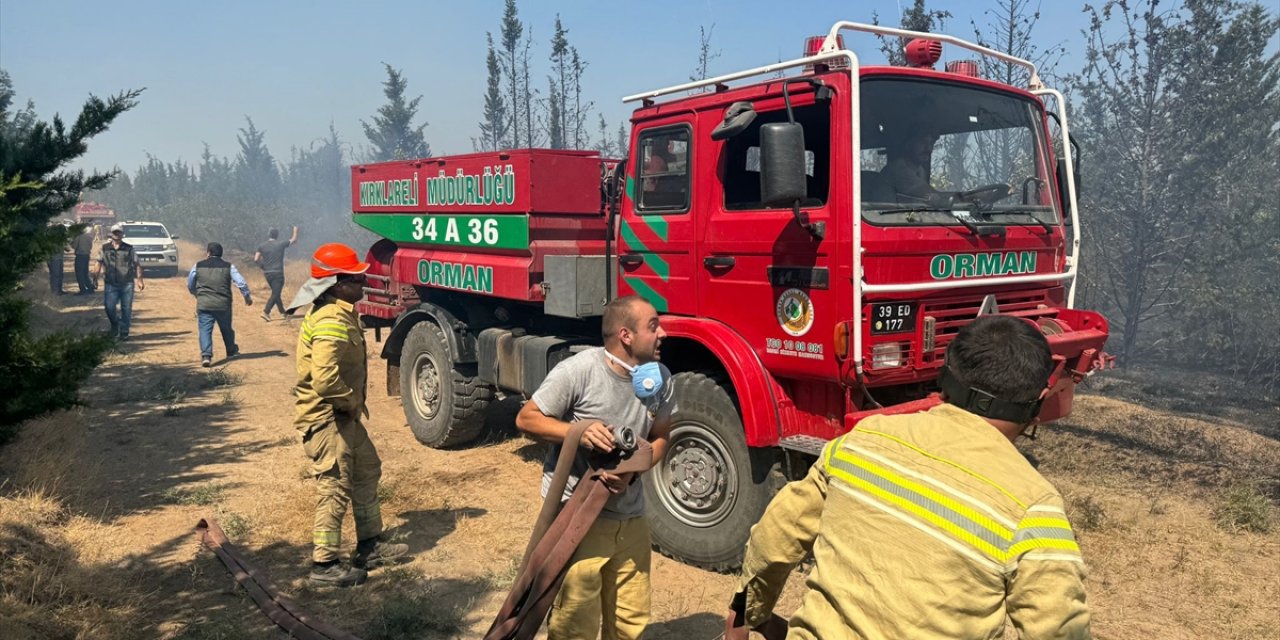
x=56 y=579
x=1167 y=484
x=1171 y=480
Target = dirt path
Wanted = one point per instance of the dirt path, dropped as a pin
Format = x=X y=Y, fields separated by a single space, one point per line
x=165 y=442
x=97 y=505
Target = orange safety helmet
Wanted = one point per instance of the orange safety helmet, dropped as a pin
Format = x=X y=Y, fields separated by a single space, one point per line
x=334 y=258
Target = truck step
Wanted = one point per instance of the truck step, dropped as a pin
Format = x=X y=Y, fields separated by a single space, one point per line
x=804 y=444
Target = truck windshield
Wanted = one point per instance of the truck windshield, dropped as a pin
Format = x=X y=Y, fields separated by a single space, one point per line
x=144 y=231
x=929 y=148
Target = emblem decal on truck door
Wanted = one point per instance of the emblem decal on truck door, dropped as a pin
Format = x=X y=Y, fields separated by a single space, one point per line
x=795 y=312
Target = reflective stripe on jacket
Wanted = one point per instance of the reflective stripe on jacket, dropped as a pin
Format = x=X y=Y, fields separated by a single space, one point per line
x=332 y=370
x=930 y=525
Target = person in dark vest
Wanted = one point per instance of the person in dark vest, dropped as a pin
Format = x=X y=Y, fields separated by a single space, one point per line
x=121 y=274
x=270 y=257
x=210 y=282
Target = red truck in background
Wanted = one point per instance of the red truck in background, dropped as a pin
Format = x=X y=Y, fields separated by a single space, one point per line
x=95 y=216
x=813 y=240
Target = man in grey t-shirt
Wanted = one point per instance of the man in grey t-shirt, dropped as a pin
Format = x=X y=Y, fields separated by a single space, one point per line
x=270 y=256
x=604 y=386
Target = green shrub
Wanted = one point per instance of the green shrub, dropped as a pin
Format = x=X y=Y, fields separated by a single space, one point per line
x=1244 y=507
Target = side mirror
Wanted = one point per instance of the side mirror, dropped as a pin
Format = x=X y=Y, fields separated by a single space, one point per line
x=782 y=178
x=173 y=237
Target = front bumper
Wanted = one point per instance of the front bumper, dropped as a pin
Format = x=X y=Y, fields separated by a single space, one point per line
x=158 y=259
x=1076 y=338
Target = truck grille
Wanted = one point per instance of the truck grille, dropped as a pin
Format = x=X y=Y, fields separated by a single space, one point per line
x=950 y=314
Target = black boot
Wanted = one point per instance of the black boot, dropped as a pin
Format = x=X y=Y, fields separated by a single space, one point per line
x=336 y=574
x=376 y=552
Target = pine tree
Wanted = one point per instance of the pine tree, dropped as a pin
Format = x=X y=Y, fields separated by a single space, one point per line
x=603 y=144
x=558 y=125
x=495 y=126
x=392 y=133
x=622 y=143
x=151 y=188
x=533 y=137
x=42 y=375
x=216 y=174
x=511 y=32
x=555 y=119
x=256 y=175
x=581 y=112
x=1134 y=122
x=1228 y=93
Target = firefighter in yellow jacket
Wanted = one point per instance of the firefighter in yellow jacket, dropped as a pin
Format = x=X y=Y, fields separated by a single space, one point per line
x=930 y=525
x=332 y=374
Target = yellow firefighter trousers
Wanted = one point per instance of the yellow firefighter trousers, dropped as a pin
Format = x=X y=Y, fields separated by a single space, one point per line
x=347 y=468
x=609 y=576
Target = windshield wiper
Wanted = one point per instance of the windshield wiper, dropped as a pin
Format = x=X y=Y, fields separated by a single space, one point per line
x=985 y=230
x=1048 y=228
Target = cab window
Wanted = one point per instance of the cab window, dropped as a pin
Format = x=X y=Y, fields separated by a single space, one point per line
x=664 y=171
x=741 y=157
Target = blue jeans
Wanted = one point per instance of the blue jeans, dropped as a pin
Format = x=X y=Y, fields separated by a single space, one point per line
x=223 y=318
x=122 y=295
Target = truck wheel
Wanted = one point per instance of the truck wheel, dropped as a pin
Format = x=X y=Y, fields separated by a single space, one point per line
x=710 y=488
x=444 y=402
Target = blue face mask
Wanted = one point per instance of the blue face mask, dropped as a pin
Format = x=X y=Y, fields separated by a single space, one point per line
x=646 y=379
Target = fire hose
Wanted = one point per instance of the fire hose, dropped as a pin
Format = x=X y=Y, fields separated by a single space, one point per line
x=556 y=537
x=279 y=608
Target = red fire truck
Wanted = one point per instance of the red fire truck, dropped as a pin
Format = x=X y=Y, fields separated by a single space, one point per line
x=94 y=215
x=813 y=238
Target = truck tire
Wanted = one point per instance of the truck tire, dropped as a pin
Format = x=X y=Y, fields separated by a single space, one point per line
x=443 y=401
x=710 y=487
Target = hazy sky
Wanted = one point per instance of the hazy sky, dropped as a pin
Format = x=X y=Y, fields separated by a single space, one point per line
x=296 y=67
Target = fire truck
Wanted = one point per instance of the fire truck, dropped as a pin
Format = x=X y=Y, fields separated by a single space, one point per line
x=94 y=215
x=814 y=233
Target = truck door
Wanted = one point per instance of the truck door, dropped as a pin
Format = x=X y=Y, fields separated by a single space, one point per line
x=655 y=235
x=759 y=271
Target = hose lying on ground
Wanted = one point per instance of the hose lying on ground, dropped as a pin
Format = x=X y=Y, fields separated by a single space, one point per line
x=279 y=608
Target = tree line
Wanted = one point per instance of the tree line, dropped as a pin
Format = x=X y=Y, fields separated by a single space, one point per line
x=1176 y=107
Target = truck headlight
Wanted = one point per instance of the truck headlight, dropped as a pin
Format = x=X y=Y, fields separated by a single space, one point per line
x=888 y=355
x=170 y=247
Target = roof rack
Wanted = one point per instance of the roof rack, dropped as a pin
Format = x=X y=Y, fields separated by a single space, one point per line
x=830 y=51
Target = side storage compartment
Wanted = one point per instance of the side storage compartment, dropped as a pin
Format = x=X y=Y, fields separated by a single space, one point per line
x=515 y=361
